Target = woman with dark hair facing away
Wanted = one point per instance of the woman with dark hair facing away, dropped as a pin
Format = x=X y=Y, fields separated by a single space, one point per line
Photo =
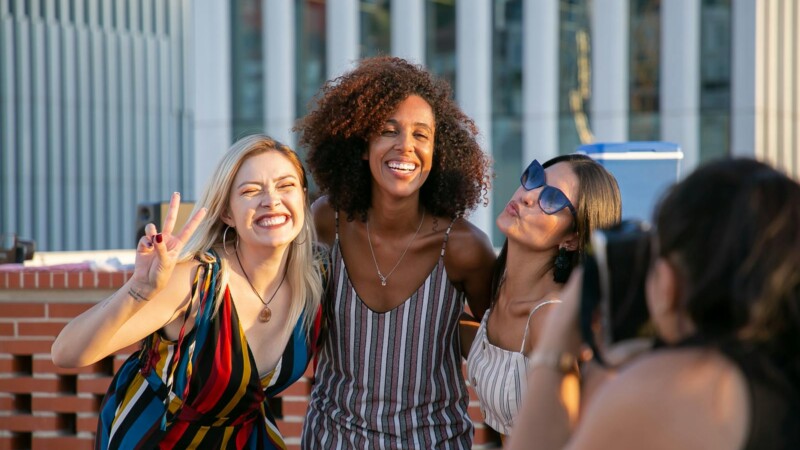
x=399 y=165
x=547 y=224
x=227 y=317
x=723 y=291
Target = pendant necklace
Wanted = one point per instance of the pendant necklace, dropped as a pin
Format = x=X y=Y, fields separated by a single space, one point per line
x=381 y=276
x=265 y=313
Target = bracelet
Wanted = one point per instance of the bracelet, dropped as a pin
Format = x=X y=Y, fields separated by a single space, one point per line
x=563 y=362
x=137 y=296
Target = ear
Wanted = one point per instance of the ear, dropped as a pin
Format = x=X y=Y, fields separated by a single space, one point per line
x=665 y=283
x=227 y=219
x=570 y=242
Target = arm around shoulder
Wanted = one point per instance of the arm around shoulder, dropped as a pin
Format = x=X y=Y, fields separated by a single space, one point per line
x=324 y=218
x=470 y=259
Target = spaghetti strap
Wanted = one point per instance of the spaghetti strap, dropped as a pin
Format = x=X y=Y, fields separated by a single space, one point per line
x=336 y=223
x=528 y=323
x=447 y=236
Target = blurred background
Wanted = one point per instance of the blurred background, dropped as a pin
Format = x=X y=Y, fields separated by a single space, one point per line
x=108 y=106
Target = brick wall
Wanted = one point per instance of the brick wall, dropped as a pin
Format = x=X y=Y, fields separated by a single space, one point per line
x=44 y=407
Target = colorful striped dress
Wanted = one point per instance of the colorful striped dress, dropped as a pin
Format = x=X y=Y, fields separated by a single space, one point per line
x=393 y=379
x=202 y=391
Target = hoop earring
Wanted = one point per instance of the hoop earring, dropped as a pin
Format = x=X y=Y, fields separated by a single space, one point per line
x=562 y=266
x=225 y=235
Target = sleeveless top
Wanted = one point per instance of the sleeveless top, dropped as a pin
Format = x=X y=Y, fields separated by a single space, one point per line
x=773 y=383
x=204 y=390
x=392 y=379
x=499 y=376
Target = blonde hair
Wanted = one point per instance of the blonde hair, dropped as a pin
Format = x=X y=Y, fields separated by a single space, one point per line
x=304 y=262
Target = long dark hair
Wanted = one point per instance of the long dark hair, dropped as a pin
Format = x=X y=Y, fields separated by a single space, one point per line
x=598 y=205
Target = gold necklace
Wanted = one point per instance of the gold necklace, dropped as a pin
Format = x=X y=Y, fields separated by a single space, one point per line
x=265 y=313
x=382 y=277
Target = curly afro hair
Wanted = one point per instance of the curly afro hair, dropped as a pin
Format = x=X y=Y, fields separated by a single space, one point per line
x=352 y=108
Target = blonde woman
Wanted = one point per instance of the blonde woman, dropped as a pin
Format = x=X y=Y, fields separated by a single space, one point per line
x=226 y=316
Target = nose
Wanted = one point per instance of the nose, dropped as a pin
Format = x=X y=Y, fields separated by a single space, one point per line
x=405 y=141
x=270 y=199
x=526 y=197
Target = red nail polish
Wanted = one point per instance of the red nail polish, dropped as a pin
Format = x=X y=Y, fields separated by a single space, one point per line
x=159 y=238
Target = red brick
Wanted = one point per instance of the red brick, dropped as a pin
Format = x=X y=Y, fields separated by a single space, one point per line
x=25 y=385
x=62 y=442
x=6 y=364
x=483 y=435
x=75 y=280
x=14 y=280
x=29 y=280
x=475 y=413
x=118 y=279
x=25 y=346
x=292 y=446
x=7 y=329
x=94 y=385
x=58 y=280
x=289 y=429
x=299 y=387
x=86 y=423
x=47 y=329
x=64 y=404
x=67 y=310
x=29 y=422
x=6 y=402
x=294 y=408
x=16 y=310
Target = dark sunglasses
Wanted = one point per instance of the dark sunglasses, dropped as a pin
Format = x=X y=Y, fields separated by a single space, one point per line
x=551 y=199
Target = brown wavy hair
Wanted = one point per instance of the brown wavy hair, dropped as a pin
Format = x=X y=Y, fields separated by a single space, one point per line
x=349 y=110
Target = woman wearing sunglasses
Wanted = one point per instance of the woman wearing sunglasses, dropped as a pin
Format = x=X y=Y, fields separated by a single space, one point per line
x=547 y=224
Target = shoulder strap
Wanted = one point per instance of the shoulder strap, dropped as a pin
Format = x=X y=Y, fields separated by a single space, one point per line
x=336 y=223
x=528 y=323
x=447 y=235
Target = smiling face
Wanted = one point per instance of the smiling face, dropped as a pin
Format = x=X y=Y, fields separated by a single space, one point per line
x=266 y=201
x=401 y=154
x=523 y=220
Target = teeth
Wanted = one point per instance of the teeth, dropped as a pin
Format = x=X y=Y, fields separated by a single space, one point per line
x=408 y=167
x=270 y=221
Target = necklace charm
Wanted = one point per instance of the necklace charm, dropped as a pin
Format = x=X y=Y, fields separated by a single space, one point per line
x=265 y=314
x=381 y=276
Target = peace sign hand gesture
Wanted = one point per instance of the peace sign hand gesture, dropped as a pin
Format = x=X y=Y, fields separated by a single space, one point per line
x=157 y=253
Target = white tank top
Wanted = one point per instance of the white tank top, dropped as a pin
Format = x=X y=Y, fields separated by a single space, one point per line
x=499 y=376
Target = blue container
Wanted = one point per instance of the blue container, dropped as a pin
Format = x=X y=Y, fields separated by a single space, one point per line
x=644 y=170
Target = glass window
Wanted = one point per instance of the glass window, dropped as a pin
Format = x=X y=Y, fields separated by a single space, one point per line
x=715 y=78
x=574 y=74
x=440 y=39
x=375 y=28
x=310 y=62
x=645 y=55
x=247 y=68
x=506 y=103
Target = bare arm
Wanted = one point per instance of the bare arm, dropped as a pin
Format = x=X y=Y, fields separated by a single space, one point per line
x=469 y=260
x=148 y=301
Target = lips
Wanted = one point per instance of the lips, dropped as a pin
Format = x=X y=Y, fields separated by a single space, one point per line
x=272 y=220
x=402 y=166
x=512 y=208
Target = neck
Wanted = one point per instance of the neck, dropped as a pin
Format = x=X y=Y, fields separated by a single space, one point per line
x=530 y=278
x=397 y=215
x=263 y=268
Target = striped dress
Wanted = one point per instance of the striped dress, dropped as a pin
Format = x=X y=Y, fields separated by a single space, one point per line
x=390 y=380
x=499 y=376
x=202 y=391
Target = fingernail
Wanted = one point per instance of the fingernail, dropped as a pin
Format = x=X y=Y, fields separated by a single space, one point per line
x=159 y=238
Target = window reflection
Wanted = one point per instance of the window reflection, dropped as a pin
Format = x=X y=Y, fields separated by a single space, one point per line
x=440 y=38
x=574 y=74
x=247 y=68
x=310 y=62
x=715 y=78
x=375 y=28
x=645 y=53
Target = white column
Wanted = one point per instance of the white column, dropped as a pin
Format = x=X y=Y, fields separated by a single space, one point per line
x=746 y=99
x=540 y=80
x=342 y=33
x=680 y=78
x=473 y=79
x=408 y=30
x=208 y=74
x=279 y=69
x=609 y=103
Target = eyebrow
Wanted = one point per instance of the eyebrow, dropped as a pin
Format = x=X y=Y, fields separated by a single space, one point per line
x=416 y=124
x=277 y=180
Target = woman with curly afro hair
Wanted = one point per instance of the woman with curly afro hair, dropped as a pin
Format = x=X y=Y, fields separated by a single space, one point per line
x=398 y=165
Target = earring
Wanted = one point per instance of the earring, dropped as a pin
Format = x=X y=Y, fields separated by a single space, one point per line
x=562 y=266
x=224 y=236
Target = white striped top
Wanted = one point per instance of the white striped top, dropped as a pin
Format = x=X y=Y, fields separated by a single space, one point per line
x=499 y=376
x=392 y=379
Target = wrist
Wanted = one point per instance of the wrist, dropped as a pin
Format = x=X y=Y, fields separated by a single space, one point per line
x=563 y=362
x=141 y=292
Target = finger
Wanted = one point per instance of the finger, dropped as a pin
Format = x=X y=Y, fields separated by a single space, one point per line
x=144 y=245
x=160 y=246
x=192 y=225
x=150 y=231
x=172 y=213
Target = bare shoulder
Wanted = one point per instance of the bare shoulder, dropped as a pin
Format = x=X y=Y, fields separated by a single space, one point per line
x=324 y=220
x=675 y=398
x=468 y=249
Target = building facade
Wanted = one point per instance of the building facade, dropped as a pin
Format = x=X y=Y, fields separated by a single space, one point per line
x=109 y=104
